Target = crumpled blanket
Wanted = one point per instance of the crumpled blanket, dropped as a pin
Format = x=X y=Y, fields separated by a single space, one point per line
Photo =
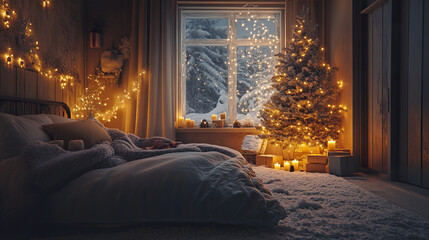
x=48 y=168
x=51 y=167
x=130 y=147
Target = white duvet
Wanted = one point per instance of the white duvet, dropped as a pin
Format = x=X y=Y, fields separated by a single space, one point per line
x=174 y=187
x=124 y=181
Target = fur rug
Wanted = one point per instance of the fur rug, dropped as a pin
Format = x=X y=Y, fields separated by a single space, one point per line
x=319 y=206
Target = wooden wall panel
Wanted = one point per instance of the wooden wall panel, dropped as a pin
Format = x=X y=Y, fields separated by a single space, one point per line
x=425 y=98
x=7 y=88
x=386 y=70
x=58 y=92
x=414 y=91
x=43 y=87
x=52 y=90
x=403 y=94
x=31 y=83
x=20 y=82
x=370 y=89
x=377 y=58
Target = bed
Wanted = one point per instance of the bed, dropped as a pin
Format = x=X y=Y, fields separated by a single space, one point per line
x=119 y=181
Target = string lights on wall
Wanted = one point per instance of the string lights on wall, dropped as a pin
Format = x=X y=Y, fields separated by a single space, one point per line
x=20 y=48
x=93 y=103
x=46 y=3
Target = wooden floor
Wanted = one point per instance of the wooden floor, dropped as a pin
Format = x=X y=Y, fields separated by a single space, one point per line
x=412 y=198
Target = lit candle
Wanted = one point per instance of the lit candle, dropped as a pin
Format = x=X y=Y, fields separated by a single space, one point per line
x=295 y=164
x=214 y=117
x=286 y=165
x=223 y=115
x=188 y=123
x=277 y=166
x=181 y=122
x=192 y=123
x=331 y=145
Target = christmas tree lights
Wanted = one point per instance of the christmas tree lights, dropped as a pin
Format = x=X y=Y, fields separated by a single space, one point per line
x=302 y=109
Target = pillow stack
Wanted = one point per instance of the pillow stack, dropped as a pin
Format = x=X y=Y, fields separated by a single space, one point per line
x=86 y=130
x=17 y=131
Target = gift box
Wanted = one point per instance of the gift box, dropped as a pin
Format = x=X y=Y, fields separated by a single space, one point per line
x=315 y=167
x=268 y=160
x=317 y=158
x=343 y=165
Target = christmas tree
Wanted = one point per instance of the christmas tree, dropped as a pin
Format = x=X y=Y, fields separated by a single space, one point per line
x=302 y=109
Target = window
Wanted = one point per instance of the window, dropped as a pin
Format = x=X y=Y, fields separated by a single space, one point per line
x=227 y=61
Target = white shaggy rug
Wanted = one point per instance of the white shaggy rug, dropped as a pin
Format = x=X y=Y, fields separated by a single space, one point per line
x=319 y=206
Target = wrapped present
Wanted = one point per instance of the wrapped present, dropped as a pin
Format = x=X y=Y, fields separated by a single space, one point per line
x=317 y=158
x=339 y=152
x=218 y=123
x=315 y=167
x=343 y=165
x=268 y=160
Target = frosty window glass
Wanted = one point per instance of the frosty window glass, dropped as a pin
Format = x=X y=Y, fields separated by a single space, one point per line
x=227 y=61
x=258 y=28
x=255 y=66
x=206 y=80
x=206 y=28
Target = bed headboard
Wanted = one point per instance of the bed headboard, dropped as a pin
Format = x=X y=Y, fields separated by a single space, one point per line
x=23 y=106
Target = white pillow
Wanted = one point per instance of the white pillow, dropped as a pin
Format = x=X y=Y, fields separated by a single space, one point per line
x=59 y=119
x=17 y=131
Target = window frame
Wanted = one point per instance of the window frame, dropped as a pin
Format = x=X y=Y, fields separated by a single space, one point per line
x=232 y=43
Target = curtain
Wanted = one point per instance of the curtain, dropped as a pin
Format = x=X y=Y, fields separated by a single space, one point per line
x=152 y=61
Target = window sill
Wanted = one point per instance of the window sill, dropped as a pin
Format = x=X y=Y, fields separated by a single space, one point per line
x=218 y=130
x=228 y=137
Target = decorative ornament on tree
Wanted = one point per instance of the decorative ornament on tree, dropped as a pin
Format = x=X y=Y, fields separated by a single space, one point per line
x=302 y=109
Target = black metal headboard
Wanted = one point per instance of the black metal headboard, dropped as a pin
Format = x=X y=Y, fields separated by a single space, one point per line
x=23 y=106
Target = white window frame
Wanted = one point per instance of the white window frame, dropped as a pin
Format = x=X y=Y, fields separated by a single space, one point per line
x=231 y=42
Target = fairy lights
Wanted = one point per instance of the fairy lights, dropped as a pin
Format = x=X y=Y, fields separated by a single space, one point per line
x=46 y=3
x=257 y=61
x=301 y=110
x=94 y=103
x=20 y=49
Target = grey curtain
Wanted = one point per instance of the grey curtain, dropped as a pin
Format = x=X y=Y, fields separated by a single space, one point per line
x=152 y=60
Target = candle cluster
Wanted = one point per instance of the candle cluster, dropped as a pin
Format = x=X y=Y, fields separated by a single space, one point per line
x=19 y=47
x=94 y=102
x=301 y=110
x=188 y=123
x=287 y=165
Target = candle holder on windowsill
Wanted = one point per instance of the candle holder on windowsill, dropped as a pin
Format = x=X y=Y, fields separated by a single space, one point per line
x=204 y=124
x=218 y=123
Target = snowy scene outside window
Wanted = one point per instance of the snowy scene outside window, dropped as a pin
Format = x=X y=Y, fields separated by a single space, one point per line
x=227 y=61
